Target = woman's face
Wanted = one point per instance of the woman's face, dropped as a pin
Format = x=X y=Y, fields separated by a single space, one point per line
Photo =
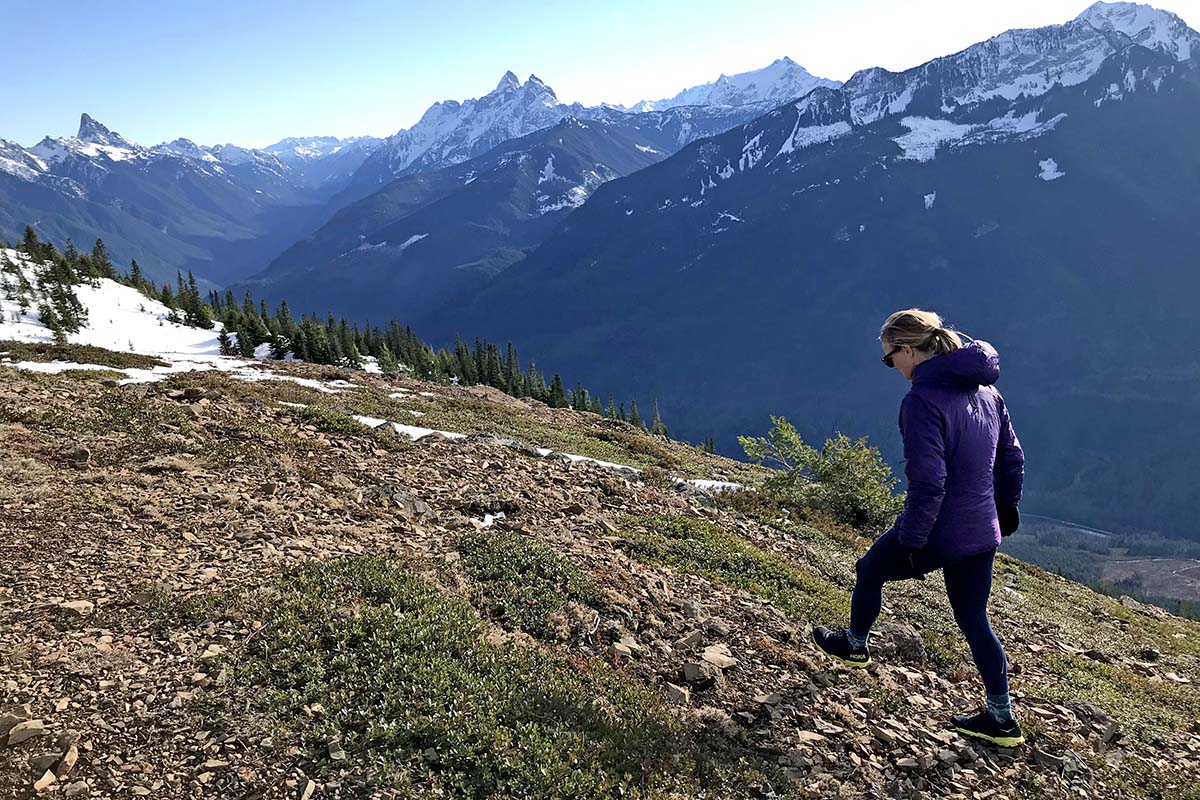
x=904 y=359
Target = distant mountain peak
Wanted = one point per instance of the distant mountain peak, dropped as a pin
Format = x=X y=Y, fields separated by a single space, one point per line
x=778 y=82
x=509 y=81
x=1146 y=25
x=92 y=131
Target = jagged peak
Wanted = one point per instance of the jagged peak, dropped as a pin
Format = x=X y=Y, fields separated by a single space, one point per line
x=92 y=131
x=509 y=81
x=1146 y=25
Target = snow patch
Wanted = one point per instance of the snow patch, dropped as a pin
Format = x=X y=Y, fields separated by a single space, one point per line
x=929 y=198
x=925 y=135
x=1050 y=170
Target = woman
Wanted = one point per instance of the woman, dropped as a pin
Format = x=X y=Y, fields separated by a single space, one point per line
x=964 y=467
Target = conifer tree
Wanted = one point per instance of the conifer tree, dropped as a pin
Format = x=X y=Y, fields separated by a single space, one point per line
x=633 y=415
x=611 y=411
x=656 y=426
x=558 y=397
x=102 y=267
x=224 y=343
x=387 y=361
x=512 y=371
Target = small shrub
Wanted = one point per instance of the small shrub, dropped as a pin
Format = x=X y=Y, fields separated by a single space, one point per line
x=847 y=478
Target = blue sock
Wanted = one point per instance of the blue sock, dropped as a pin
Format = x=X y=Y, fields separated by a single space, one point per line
x=856 y=641
x=1000 y=707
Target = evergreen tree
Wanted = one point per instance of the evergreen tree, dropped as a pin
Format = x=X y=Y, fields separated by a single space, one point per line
x=102 y=267
x=633 y=415
x=558 y=397
x=224 y=342
x=136 y=279
x=708 y=445
x=512 y=370
x=387 y=361
x=656 y=426
x=611 y=411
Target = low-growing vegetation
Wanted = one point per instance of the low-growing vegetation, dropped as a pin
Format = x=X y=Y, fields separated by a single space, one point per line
x=405 y=683
x=522 y=582
x=77 y=353
x=704 y=549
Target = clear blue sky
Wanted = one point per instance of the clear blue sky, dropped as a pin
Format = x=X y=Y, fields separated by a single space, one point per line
x=254 y=72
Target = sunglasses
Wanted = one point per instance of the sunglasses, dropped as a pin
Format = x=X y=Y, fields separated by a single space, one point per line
x=888 y=358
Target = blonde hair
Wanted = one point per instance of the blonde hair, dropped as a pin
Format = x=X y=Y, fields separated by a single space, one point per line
x=923 y=330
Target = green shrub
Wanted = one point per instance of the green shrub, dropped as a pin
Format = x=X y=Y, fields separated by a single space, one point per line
x=847 y=478
x=523 y=582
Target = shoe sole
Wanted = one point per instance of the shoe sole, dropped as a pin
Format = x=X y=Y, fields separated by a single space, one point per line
x=999 y=741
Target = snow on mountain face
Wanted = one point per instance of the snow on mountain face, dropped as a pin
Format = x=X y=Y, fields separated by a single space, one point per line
x=299 y=149
x=16 y=160
x=1145 y=25
x=776 y=83
x=452 y=132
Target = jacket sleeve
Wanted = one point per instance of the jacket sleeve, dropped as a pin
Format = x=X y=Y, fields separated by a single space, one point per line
x=1009 y=471
x=925 y=468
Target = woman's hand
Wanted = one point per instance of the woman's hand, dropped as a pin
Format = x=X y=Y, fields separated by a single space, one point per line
x=1010 y=519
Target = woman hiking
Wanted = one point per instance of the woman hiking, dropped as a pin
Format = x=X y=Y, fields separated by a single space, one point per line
x=964 y=467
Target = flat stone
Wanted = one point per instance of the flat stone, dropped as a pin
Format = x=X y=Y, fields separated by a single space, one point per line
x=80 y=607
x=689 y=641
x=678 y=694
x=67 y=763
x=43 y=783
x=699 y=671
x=24 y=731
x=718 y=655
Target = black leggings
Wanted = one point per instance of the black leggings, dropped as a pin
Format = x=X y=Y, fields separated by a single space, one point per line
x=968 y=584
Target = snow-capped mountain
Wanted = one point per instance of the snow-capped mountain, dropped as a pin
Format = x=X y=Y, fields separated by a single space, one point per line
x=299 y=149
x=451 y=132
x=780 y=81
x=426 y=237
x=1147 y=26
x=218 y=211
x=1029 y=187
x=324 y=161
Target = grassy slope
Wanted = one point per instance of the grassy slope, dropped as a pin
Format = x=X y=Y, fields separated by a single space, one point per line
x=370 y=649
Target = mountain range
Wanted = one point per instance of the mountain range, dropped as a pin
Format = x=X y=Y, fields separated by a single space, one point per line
x=225 y=212
x=732 y=249
x=1037 y=188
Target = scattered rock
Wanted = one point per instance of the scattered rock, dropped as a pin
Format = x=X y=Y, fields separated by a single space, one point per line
x=76 y=454
x=24 y=731
x=43 y=783
x=80 y=608
x=897 y=642
x=719 y=656
x=678 y=694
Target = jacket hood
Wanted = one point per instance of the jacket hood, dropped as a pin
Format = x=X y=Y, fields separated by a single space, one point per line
x=977 y=364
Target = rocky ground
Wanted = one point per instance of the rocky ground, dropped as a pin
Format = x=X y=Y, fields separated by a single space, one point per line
x=142 y=526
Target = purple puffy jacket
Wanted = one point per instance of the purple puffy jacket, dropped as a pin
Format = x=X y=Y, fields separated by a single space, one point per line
x=961 y=456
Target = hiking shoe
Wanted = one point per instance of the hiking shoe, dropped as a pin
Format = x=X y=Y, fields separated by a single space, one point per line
x=985 y=727
x=836 y=645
